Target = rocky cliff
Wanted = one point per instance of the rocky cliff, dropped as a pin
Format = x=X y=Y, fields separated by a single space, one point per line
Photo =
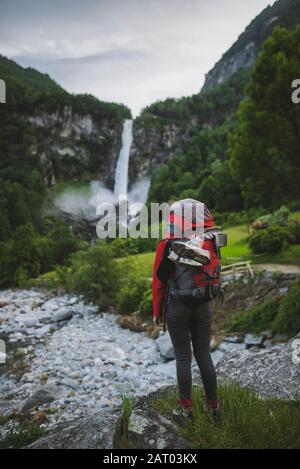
x=242 y=54
x=155 y=143
x=73 y=146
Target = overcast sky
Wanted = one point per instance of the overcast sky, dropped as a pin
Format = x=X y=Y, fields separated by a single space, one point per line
x=129 y=51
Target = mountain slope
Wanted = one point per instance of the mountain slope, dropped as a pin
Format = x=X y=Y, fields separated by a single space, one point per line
x=242 y=54
x=17 y=77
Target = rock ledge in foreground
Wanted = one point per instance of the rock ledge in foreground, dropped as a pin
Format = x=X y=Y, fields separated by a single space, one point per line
x=147 y=428
x=273 y=372
x=94 y=432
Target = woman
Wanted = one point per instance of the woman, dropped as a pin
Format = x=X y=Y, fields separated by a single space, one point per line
x=187 y=321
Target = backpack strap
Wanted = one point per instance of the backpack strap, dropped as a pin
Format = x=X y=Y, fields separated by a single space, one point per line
x=209 y=276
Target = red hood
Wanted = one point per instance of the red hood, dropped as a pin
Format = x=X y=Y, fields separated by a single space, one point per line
x=176 y=220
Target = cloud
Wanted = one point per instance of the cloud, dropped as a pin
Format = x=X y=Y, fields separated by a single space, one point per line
x=130 y=51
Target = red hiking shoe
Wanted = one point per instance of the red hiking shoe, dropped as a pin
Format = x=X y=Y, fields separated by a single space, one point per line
x=183 y=412
x=212 y=407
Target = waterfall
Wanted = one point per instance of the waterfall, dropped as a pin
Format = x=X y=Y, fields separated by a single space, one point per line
x=83 y=202
x=121 y=179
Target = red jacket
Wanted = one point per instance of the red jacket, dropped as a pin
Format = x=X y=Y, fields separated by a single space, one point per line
x=158 y=287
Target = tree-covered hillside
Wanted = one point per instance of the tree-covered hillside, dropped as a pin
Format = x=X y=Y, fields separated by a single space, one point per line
x=210 y=107
x=264 y=138
x=25 y=84
x=28 y=89
x=200 y=169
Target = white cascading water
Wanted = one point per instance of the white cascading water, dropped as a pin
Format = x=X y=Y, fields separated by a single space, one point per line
x=121 y=180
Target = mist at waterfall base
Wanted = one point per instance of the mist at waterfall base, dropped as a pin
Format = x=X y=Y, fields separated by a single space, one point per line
x=83 y=202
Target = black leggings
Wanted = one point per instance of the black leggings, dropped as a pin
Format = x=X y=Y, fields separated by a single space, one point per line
x=186 y=323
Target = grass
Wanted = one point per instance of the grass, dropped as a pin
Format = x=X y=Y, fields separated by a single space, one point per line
x=127 y=405
x=120 y=438
x=47 y=280
x=237 y=248
x=140 y=265
x=22 y=435
x=295 y=215
x=247 y=422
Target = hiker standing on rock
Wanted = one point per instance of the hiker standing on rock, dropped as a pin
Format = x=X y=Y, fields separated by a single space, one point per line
x=185 y=280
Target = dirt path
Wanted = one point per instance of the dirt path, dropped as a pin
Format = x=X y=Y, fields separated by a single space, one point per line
x=286 y=269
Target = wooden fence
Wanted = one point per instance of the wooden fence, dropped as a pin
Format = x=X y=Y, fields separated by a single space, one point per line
x=243 y=268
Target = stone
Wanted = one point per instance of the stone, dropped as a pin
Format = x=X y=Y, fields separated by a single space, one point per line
x=9 y=407
x=25 y=310
x=273 y=372
x=167 y=369
x=70 y=383
x=93 y=432
x=125 y=387
x=92 y=309
x=19 y=335
x=280 y=338
x=50 y=305
x=296 y=352
x=147 y=428
x=233 y=339
x=28 y=378
x=62 y=314
x=165 y=346
x=30 y=331
x=45 y=316
x=226 y=347
x=266 y=334
x=252 y=340
x=41 y=331
x=44 y=395
x=27 y=320
x=217 y=356
x=73 y=301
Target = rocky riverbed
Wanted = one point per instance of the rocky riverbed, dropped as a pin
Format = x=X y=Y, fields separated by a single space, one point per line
x=74 y=360
x=66 y=361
